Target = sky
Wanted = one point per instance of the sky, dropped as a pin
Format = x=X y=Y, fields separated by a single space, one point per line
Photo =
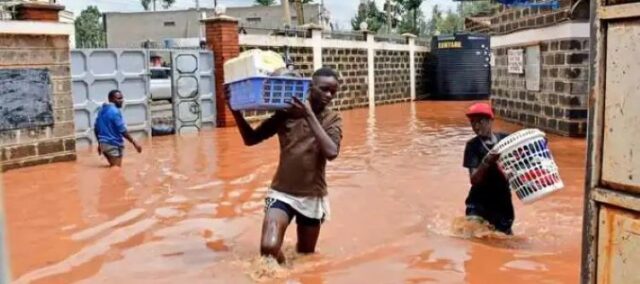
x=341 y=10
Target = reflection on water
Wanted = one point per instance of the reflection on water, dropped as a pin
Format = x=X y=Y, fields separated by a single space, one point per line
x=189 y=209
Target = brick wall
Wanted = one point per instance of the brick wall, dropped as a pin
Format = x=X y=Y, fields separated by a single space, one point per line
x=38 y=12
x=222 y=39
x=477 y=25
x=351 y=65
x=38 y=145
x=392 y=76
x=507 y=20
x=561 y=104
x=421 y=72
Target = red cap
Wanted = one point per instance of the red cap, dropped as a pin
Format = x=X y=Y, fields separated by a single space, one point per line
x=480 y=109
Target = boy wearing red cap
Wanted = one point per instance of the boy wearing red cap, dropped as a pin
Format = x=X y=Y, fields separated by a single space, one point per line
x=489 y=198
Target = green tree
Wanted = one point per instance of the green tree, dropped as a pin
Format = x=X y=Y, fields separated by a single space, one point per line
x=89 y=28
x=410 y=15
x=265 y=2
x=151 y=4
x=453 y=21
x=416 y=24
x=450 y=23
x=432 y=25
x=470 y=9
x=369 y=13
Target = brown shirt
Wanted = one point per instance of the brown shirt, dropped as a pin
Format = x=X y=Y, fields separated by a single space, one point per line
x=301 y=171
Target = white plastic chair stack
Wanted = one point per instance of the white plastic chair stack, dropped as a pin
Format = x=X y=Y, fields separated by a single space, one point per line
x=527 y=163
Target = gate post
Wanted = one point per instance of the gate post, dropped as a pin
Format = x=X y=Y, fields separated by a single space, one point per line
x=222 y=39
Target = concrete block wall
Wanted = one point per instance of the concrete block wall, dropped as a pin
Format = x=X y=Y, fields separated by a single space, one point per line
x=39 y=145
x=372 y=72
x=351 y=65
x=561 y=104
x=392 y=71
x=421 y=73
x=507 y=20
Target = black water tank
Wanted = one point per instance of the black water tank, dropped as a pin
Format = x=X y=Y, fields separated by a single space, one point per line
x=460 y=67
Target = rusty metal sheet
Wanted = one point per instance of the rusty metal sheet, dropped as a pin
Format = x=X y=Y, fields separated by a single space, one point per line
x=620 y=2
x=619 y=199
x=621 y=145
x=619 y=11
x=618 y=246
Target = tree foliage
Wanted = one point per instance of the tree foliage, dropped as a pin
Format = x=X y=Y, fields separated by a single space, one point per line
x=453 y=21
x=407 y=17
x=89 y=28
x=151 y=4
x=368 y=12
x=411 y=17
x=415 y=24
x=265 y=2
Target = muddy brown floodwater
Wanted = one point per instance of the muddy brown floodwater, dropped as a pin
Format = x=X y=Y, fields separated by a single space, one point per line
x=189 y=210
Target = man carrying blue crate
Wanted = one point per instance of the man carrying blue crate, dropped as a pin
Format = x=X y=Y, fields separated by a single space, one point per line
x=310 y=134
x=489 y=199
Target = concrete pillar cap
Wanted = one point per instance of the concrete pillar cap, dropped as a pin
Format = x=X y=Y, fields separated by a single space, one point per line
x=220 y=18
x=311 y=26
x=41 y=6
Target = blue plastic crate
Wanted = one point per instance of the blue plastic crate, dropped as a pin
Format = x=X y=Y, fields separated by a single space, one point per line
x=267 y=93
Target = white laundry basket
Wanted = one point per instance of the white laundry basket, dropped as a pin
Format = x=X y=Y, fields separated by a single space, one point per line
x=527 y=163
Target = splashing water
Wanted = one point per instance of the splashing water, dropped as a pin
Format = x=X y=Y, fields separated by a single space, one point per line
x=263 y=269
x=464 y=227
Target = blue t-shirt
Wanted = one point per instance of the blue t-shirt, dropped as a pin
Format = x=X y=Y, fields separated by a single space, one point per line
x=110 y=126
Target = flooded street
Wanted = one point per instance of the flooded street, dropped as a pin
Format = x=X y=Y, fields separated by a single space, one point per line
x=189 y=210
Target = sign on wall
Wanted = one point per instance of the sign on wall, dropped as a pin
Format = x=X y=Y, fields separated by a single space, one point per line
x=515 y=60
x=25 y=98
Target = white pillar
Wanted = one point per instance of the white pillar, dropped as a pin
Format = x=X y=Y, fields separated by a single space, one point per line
x=316 y=38
x=411 y=39
x=371 y=52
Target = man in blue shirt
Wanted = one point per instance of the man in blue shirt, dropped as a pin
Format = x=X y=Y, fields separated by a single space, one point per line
x=110 y=130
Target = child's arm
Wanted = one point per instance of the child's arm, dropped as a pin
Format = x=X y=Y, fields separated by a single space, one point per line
x=252 y=136
x=477 y=175
x=328 y=146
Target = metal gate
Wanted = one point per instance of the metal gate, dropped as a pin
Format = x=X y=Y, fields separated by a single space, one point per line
x=193 y=90
x=207 y=90
x=186 y=101
x=94 y=73
x=611 y=241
